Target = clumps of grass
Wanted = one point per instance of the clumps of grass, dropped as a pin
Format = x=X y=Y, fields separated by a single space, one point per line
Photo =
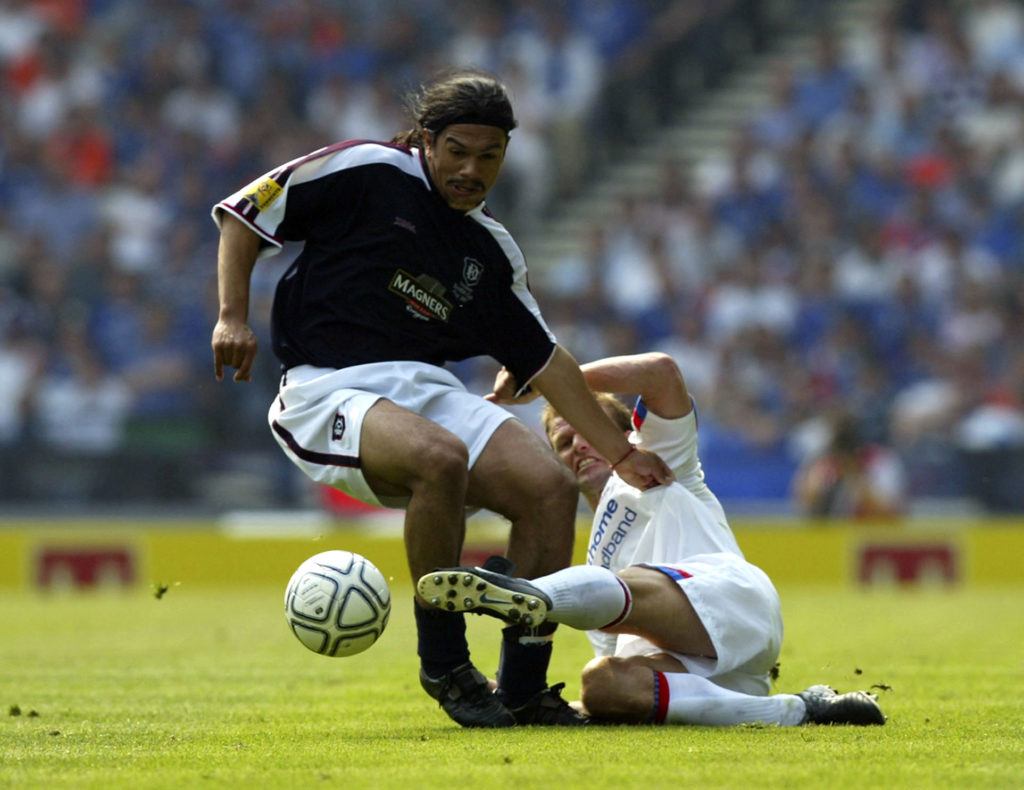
x=160 y=589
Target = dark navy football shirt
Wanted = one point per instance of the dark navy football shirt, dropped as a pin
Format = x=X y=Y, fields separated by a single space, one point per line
x=388 y=271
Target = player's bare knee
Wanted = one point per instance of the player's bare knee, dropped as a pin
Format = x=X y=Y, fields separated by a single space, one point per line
x=547 y=495
x=595 y=682
x=557 y=490
x=617 y=689
x=444 y=462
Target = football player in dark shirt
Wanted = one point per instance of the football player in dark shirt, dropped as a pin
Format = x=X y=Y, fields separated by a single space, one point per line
x=403 y=269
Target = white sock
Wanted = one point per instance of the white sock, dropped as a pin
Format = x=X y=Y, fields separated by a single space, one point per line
x=585 y=596
x=696 y=700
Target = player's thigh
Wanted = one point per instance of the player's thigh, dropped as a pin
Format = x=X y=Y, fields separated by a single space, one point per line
x=662 y=613
x=401 y=451
x=518 y=476
x=623 y=688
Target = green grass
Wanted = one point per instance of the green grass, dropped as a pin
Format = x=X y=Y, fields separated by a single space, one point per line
x=207 y=688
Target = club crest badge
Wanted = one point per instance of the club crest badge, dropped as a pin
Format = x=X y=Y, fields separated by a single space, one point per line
x=472 y=271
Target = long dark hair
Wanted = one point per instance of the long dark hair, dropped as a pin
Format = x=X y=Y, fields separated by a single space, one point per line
x=458 y=96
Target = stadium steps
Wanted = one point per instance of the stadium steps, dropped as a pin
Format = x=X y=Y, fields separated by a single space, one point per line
x=705 y=130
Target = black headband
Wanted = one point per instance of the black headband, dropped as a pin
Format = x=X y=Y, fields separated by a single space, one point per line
x=481 y=119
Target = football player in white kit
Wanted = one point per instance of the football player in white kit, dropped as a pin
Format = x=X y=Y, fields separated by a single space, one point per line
x=685 y=630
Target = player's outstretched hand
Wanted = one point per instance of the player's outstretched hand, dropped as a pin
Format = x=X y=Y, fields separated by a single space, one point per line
x=505 y=390
x=234 y=344
x=643 y=469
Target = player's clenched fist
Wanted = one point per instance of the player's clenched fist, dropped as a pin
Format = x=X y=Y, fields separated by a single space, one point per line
x=234 y=345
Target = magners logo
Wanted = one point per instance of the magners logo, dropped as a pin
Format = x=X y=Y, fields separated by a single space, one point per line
x=424 y=296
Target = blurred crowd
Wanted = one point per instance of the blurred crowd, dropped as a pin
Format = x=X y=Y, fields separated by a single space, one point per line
x=123 y=121
x=859 y=248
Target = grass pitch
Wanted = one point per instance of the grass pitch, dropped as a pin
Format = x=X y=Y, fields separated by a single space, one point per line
x=207 y=688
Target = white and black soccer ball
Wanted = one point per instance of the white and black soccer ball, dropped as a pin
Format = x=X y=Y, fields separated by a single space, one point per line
x=337 y=603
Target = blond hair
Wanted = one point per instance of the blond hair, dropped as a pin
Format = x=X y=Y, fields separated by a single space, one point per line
x=619 y=412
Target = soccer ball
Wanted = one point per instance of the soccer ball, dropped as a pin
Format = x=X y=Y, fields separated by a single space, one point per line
x=337 y=603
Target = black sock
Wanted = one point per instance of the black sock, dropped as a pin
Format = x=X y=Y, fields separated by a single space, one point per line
x=523 y=669
x=441 y=640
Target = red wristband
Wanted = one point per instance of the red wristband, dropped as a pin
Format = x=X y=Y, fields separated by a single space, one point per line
x=629 y=452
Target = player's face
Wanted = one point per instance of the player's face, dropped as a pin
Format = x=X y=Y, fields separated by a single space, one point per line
x=590 y=467
x=464 y=161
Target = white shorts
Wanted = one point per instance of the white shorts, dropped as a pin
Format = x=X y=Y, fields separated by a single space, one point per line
x=318 y=415
x=740 y=609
